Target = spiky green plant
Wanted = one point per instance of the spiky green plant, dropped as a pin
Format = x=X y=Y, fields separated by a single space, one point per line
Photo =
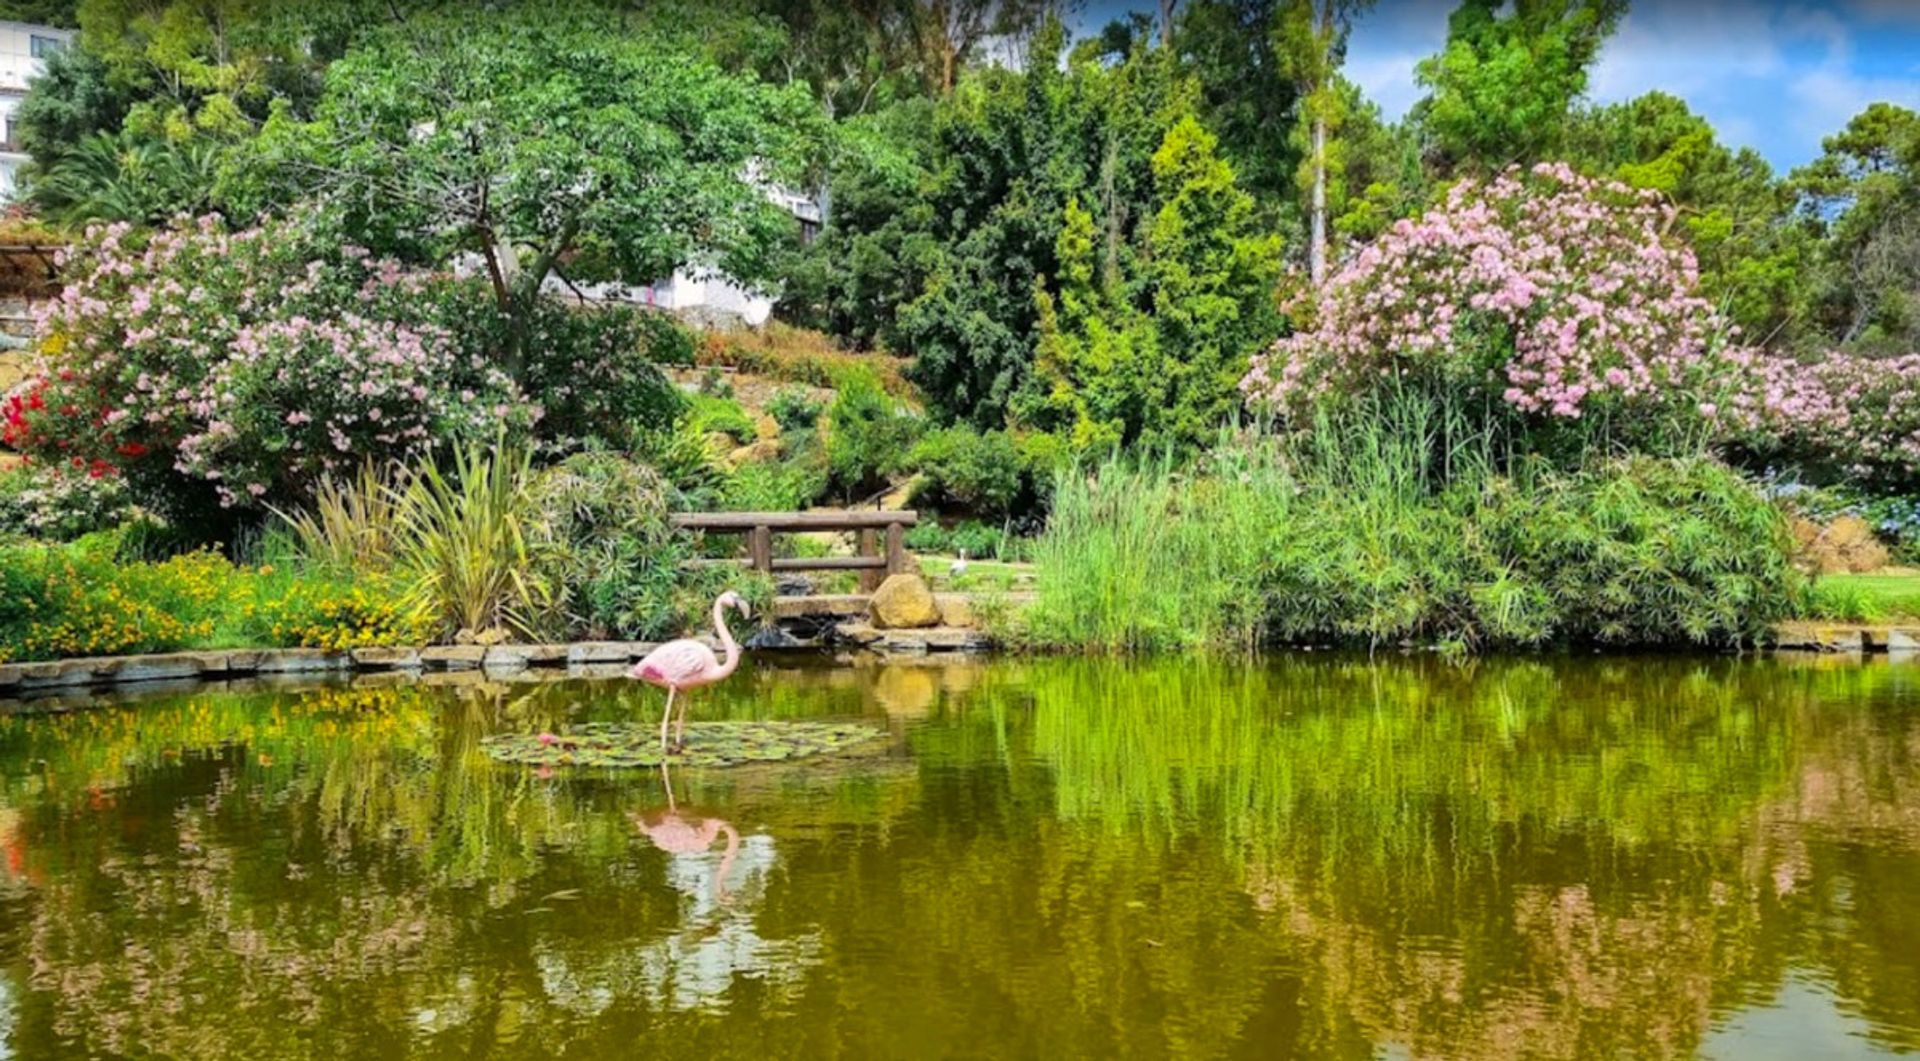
x=351 y=526
x=463 y=540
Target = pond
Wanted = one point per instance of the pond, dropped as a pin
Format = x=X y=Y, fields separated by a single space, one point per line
x=1303 y=855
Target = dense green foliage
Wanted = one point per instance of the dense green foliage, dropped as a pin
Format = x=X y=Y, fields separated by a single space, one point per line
x=1364 y=533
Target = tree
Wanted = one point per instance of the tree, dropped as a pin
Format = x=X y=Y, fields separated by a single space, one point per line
x=1164 y=369
x=41 y=12
x=1500 y=92
x=1310 y=38
x=1863 y=193
x=1247 y=97
x=950 y=33
x=1212 y=272
x=1753 y=254
x=544 y=145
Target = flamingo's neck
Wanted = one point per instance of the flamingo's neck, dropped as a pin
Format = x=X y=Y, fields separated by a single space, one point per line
x=727 y=642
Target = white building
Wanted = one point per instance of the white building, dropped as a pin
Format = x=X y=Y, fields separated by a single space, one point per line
x=24 y=48
x=703 y=295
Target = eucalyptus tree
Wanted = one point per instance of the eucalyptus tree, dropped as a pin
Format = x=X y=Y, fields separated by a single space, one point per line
x=1310 y=37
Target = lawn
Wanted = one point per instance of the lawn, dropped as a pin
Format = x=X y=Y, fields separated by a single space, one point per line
x=1866 y=598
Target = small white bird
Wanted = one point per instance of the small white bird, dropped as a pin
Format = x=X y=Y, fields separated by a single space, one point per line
x=959 y=566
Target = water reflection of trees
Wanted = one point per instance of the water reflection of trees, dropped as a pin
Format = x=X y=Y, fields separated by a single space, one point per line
x=1520 y=857
x=1301 y=856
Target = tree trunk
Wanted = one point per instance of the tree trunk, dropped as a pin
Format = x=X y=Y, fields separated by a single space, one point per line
x=1166 y=22
x=1317 y=242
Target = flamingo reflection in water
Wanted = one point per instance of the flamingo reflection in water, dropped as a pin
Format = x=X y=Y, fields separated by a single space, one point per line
x=717 y=940
x=677 y=834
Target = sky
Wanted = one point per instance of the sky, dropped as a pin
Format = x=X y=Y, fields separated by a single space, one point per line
x=1774 y=75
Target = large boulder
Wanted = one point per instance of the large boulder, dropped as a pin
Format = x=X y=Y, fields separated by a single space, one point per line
x=904 y=602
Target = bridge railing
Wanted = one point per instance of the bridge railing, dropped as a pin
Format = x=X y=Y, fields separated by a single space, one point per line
x=869 y=527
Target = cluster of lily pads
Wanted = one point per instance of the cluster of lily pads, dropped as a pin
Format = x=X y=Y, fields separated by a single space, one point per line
x=627 y=744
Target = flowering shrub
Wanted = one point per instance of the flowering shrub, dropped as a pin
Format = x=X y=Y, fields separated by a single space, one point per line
x=248 y=362
x=1850 y=412
x=85 y=599
x=56 y=504
x=1556 y=294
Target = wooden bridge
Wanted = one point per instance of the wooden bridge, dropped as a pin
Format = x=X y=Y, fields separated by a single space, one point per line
x=869 y=560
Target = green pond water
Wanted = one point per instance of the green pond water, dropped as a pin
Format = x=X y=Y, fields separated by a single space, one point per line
x=1312 y=856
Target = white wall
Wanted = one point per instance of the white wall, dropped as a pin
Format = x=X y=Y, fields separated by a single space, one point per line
x=18 y=65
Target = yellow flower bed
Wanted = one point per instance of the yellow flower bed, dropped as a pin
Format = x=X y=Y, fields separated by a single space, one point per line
x=80 y=601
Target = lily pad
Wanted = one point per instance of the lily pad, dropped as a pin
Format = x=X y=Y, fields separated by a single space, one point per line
x=626 y=744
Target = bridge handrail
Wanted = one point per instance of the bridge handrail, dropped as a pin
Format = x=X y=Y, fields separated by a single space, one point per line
x=760 y=527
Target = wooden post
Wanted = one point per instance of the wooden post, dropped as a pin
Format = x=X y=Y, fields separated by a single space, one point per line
x=760 y=548
x=870 y=578
x=896 y=549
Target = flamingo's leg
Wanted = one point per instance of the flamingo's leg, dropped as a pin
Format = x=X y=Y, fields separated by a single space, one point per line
x=680 y=728
x=665 y=718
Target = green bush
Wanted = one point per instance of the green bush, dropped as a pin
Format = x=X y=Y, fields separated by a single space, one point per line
x=59 y=506
x=786 y=485
x=795 y=410
x=721 y=416
x=601 y=544
x=1365 y=533
x=965 y=470
x=870 y=433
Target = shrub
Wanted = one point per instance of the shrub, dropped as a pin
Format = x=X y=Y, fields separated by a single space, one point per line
x=787 y=485
x=961 y=468
x=869 y=435
x=795 y=410
x=1645 y=551
x=600 y=542
x=722 y=416
x=1358 y=533
x=1546 y=296
x=1838 y=413
x=58 y=505
x=246 y=365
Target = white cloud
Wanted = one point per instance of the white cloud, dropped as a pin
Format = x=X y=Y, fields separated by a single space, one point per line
x=1386 y=44
x=1824 y=99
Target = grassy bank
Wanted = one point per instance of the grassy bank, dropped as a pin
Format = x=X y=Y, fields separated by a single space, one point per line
x=1405 y=524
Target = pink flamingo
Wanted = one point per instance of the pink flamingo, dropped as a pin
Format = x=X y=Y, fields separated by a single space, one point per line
x=687 y=664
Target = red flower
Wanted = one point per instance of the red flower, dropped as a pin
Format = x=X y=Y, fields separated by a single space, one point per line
x=132 y=450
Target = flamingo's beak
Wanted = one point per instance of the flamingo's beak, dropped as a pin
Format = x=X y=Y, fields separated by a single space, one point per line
x=746 y=610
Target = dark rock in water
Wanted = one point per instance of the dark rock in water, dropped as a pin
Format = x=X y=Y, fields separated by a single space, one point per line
x=793 y=585
x=776 y=637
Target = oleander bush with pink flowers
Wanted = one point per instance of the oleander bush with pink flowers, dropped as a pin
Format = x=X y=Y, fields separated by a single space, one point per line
x=230 y=370
x=1557 y=303
x=1566 y=314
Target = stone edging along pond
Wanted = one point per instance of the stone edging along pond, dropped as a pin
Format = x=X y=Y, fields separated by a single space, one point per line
x=608 y=658
x=585 y=658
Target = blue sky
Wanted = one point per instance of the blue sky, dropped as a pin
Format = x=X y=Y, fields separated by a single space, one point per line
x=1770 y=74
